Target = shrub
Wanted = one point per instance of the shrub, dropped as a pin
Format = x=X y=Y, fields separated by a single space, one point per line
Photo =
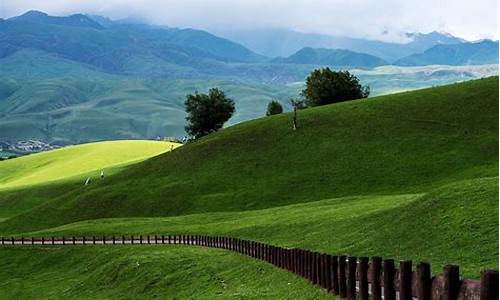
x=324 y=86
x=274 y=108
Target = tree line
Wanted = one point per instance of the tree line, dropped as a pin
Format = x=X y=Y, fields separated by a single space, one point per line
x=207 y=113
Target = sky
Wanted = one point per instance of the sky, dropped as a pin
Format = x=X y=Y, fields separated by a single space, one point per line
x=373 y=19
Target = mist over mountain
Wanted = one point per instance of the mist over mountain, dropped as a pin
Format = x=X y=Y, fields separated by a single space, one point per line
x=483 y=52
x=83 y=77
x=285 y=42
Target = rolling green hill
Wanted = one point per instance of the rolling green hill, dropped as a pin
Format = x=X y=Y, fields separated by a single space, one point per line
x=409 y=176
x=398 y=144
x=75 y=162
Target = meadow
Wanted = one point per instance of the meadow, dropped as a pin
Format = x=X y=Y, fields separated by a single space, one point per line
x=412 y=175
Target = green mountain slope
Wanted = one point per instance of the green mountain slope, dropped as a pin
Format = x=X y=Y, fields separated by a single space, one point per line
x=484 y=52
x=333 y=57
x=398 y=144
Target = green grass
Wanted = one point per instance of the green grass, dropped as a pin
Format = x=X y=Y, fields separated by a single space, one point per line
x=78 y=161
x=409 y=176
x=454 y=224
x=144 y=272
x=397 y=144
x=36 y=103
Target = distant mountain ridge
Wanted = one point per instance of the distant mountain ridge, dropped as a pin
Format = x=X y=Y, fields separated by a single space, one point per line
x=478 y=53
x=284 y=42
x=79 y=20
x=333 y=57
x=117 y=48
x=84 y=78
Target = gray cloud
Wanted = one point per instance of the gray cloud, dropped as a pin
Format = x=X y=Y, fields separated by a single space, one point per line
x=357 y=18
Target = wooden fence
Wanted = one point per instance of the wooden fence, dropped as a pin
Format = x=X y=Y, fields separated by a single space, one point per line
x=346 y=276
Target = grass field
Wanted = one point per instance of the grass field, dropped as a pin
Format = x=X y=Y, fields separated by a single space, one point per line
x=410 y=176
x=397 y=144
x=132 y=272
x=74 y=162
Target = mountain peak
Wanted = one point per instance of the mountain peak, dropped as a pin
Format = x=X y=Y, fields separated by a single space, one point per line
x=34 y=13
x=79 y=20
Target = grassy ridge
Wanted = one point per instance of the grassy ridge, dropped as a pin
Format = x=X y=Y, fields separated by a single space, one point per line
x=396 y=144
x=75 y=161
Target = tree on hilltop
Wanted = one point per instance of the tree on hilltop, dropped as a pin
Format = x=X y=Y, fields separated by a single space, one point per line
x=324 y=86
x=207 y=113
x=274 y=108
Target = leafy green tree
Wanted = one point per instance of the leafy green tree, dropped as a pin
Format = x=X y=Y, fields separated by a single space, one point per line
x=274 y=108
x=324 y=86
x=207 y=113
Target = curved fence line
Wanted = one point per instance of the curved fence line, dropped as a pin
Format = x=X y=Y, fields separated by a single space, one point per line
x=346 y=276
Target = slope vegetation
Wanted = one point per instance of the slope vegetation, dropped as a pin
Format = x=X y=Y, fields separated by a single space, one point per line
x=76 y=161
x=144 y=273
x=399 y=144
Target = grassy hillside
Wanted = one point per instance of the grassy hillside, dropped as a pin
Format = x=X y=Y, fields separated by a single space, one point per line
x=408 y=176
x=453 y=224
x=136 y=272
x=398 y=144
x=74 y=162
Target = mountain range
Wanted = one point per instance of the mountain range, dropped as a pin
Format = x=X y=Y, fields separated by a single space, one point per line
x=84 y=78
x=285 y=42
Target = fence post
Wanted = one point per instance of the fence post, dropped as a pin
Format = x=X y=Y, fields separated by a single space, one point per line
x=93 y=240
x=64 y=240
x=325 y=278
x=328 y=272
x=316 y=265
x=52 y=239
x=375 y=286
x=489 y=285
x=309 y=265
x=299 y=257
x=114 y=240
x=131 y=239
x=74 y=240
x=43 y=240
x=104 y=240
x=363 y=278
x=389 y=273
x=32 y=241
x=22 y=240
x=405 y=274
x=451 y=282
x=83 y=240
x=342 y=279
x=12 y=240
x=351 y=279
x=424 y=283
x=334 y=268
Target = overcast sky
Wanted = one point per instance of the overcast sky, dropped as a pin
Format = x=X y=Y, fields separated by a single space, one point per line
x=376 y=19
